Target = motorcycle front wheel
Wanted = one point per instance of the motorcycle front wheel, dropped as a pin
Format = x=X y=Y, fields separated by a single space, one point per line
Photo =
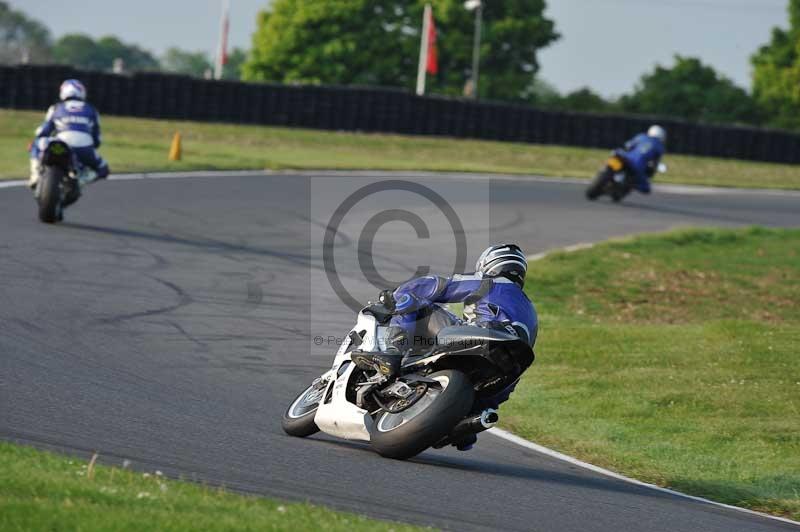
x=431 y=418
x=298 y=420
x=49 y=198
x=598 y=186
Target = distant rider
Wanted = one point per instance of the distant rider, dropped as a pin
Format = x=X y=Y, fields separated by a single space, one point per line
x=74 y=121
x=643 y=154
x=492 y=297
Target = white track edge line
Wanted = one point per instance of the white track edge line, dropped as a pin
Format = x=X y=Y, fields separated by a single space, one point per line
x=513 y=438
x=522 y=442
x=658 y=188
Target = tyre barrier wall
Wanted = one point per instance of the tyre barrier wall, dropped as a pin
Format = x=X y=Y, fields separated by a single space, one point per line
x=168 y=96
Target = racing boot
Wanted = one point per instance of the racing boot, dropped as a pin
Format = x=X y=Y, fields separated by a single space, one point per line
x=386 y=362
x=36 y=171
x=86 y=176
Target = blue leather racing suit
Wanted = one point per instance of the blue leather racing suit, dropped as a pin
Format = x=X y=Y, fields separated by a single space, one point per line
x=642 y=154
x=494 y=302
x=76 y=123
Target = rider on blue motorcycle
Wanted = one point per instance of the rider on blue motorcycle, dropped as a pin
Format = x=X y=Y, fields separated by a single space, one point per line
x=492 y=297
x=643 y=154
x=74 y=121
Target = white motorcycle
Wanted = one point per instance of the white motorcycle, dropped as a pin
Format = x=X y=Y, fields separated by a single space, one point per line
x=434 y=402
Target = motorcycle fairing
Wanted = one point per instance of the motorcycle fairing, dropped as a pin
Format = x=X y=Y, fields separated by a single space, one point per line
x=336 y=415
x=339 y=417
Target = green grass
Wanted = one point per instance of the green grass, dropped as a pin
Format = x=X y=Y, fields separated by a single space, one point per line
x=673 y=359
x=142 y=145
x=44 y=491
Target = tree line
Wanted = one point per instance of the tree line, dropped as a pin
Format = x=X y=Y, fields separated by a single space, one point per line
x=24 y=40
x=376 y=43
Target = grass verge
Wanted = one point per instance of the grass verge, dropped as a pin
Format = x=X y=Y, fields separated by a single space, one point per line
x=133 y=145
x=44 y=491
x=673 y=359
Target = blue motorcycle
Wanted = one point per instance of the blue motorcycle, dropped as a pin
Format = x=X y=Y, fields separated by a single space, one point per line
x=616 y=179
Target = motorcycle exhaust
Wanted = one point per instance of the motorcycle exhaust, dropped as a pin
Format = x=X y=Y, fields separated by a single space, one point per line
x=473 y=425
x=489 y=418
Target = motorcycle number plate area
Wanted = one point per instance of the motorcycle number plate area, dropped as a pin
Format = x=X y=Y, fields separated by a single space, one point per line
x=340 y=417
x=615 y=164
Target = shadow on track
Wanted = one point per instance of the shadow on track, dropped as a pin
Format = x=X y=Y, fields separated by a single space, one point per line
x=483 y=467
x=200 y=244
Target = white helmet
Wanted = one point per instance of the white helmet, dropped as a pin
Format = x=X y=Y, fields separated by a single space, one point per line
x=505 y=260
x=72 y=89
x=657 y=132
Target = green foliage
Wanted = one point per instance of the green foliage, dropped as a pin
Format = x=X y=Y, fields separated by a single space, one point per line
x=349 y=42
x=776 y=73
x=586 y=100
x=693 y=91
x=198 y=63
x=44 y=491
x=513 y=33
x=135 y=58
x=233 y=69
x=583 y=100
x=22 y=39
x=78 y=50
x=183 y=62
x=362 y=42
x=82 y=51
x=545 y=96
x=543 y=93
x=672 y=358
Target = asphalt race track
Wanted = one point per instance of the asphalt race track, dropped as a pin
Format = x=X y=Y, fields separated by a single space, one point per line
x=166 y=322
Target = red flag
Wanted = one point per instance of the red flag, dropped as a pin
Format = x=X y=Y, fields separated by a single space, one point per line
x=224 y=41
x=432 y=64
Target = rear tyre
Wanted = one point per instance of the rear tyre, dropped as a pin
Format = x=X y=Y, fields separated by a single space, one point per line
x=619 y=193
x=50 y=195
x=298 y=420
x=598 y=186
x=431 y=418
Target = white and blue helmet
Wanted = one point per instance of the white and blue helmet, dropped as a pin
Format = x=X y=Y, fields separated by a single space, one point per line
x=657 y=132
x=72 y=89
x=506 y=260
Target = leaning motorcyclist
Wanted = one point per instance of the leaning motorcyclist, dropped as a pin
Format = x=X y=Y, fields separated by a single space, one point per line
x=643 y=154
x=492 y=297
x=74 y=121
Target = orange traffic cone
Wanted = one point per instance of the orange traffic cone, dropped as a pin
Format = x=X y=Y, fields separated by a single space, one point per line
x=175 y=150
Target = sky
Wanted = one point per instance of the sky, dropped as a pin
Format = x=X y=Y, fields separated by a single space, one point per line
x=605 y=44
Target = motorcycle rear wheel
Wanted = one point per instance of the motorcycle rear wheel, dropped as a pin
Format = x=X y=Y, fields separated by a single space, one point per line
x=427 y=421
x=50 y=195
x=619 y=193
